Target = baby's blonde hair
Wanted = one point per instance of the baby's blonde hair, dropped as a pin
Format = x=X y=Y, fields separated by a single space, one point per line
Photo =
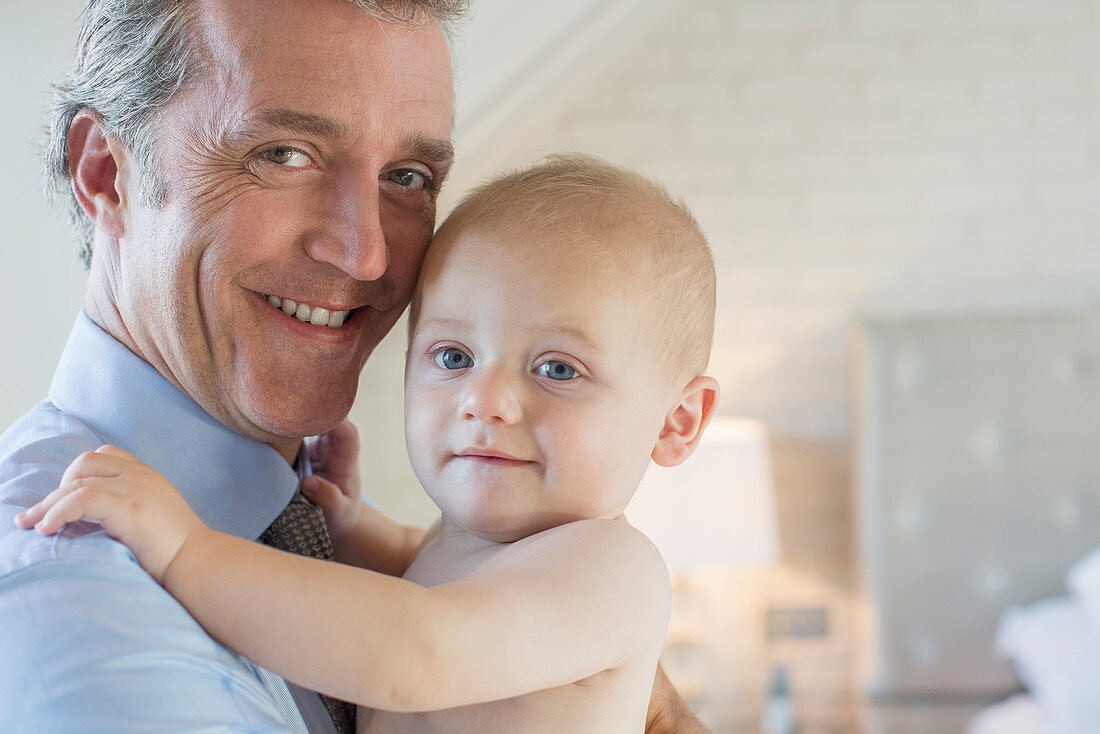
x=622 y=218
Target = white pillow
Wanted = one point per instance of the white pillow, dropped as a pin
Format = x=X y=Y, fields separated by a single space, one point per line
x=1056 y=651
x=1083 y=582
x=1016 y=715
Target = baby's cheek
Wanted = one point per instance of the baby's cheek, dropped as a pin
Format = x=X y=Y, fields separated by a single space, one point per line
x=430 y=423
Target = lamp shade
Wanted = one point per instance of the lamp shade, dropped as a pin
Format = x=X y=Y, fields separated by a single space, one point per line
x=717 y=509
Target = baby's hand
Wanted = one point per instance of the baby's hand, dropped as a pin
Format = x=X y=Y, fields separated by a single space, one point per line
x=135 y=505
x=335 y=485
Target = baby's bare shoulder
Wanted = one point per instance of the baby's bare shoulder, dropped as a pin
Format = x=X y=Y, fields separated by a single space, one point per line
x=617 y=532
x=610 y=534
x=593 y=547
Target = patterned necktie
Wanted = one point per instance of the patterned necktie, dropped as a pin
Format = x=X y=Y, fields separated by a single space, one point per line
x=300 y=528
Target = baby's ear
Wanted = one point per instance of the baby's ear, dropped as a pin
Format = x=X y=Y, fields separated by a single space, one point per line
x=684 y=424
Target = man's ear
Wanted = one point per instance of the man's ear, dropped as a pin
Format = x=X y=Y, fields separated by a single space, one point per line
x=97 y=167
x=684 y=424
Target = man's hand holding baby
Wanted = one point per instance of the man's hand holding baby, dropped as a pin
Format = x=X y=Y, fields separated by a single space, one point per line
x=132 y=502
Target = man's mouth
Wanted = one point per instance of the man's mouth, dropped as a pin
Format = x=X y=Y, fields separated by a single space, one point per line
x=308 y=314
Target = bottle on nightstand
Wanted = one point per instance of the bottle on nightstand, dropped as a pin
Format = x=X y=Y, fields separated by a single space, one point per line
x=778 y=716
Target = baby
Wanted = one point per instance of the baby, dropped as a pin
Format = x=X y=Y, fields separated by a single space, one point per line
x=557 y=340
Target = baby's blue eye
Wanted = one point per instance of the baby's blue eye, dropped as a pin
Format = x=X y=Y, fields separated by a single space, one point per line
x=556 y=370
x=453 y=359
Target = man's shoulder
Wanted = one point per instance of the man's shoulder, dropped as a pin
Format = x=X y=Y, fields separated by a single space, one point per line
x=36 y=448
x=34 y=452
x=78 y=608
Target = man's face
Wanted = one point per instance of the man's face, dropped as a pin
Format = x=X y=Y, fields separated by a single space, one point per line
x=302 y=167
x=535 y=390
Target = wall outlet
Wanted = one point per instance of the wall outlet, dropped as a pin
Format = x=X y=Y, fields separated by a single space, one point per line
x=798 y=623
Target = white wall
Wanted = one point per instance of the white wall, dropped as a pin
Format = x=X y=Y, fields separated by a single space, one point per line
x=40 y=276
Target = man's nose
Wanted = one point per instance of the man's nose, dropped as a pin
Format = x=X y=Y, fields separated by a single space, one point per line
x=352 y=238
x=491 y=396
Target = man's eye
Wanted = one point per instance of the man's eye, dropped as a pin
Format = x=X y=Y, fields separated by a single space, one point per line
x=408 y=179
x=287 y=156
x=453 y=359
x=556 y=370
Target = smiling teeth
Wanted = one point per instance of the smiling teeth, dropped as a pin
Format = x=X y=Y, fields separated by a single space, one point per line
x=309 y=314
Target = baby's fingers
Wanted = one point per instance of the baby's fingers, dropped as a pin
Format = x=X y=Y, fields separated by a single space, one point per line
x=32 y=515
x=344 y=438
x=98 y=463
x=334 y=451
x=29 y=517
x=321 y=492
x=115 y=451
x=84 y=501
x=67 y=504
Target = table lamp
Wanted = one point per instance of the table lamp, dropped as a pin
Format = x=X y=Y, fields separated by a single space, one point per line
x=716 y=510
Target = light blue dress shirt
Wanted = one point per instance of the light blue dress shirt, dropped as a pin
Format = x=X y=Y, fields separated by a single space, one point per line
x=88 y=641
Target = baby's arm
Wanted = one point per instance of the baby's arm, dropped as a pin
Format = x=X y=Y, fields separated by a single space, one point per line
x=548 y=611
x=591 y=597
x=361 y=535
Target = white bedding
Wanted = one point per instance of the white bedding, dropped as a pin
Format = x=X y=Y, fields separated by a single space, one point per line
x=1017 y=715
x=1054 y=645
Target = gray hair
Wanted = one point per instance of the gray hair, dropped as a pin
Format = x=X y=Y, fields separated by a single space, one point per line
x=132 y=58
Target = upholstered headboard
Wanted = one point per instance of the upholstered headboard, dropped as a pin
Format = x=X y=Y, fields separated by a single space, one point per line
x=979 y=485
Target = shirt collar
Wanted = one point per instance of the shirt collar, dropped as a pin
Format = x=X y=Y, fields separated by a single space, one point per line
x=234 y=484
